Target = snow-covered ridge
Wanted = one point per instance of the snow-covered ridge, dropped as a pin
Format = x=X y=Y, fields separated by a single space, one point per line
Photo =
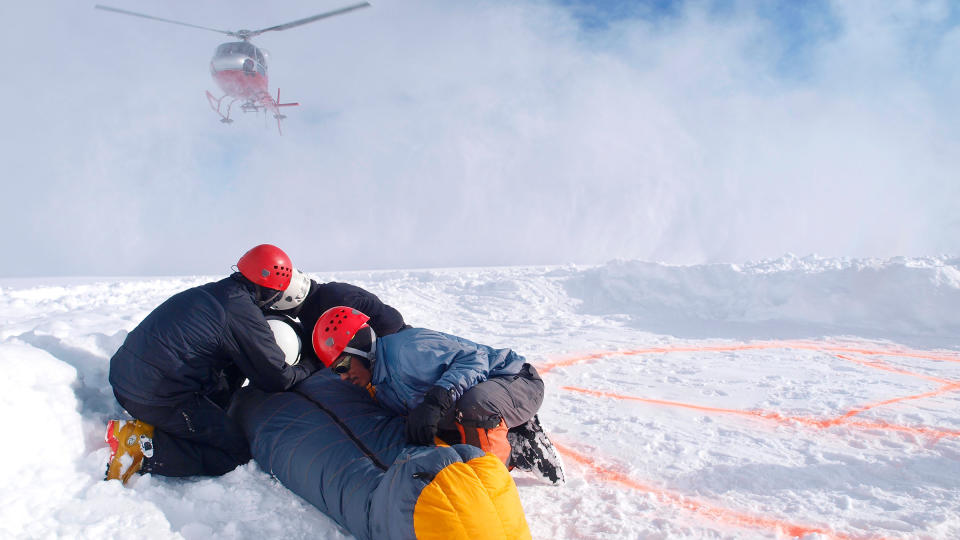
x=906 y=298
x=910 y=299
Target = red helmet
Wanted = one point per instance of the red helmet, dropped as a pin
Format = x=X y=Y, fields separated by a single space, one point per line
x=268 y=266
x=334 y=330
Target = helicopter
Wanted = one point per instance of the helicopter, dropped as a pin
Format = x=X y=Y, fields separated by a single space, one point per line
x=240 y=68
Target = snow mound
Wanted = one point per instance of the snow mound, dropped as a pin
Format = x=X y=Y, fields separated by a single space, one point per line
x=914 y=300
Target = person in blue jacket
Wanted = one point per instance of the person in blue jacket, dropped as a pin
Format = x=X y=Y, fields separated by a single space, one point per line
x=448 y=387
x=306 y=300
x=176 y=372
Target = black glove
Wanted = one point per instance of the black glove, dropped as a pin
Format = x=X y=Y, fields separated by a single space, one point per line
x=308 y=364
x=423 y=419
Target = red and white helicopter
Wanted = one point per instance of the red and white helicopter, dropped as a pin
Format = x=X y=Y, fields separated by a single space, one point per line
x=240 y=68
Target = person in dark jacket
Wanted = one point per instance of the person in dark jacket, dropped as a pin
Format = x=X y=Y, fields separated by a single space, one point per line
x=178 y=369
x=447 y=387
x=306 y=300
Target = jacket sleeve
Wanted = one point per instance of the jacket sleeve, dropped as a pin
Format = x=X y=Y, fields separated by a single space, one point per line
x=257 y=354
x=384 y=319
x=468 y=368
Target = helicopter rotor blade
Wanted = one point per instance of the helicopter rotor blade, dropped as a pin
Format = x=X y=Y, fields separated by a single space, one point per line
x=135 y=14
x=299 y=22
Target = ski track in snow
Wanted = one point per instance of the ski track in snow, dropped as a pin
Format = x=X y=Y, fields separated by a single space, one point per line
x=812 y=398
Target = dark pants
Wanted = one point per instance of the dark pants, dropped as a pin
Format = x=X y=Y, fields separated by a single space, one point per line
x=513 y=398
x=192 y=438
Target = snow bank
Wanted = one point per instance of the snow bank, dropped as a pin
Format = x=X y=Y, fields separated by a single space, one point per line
x=914 y=300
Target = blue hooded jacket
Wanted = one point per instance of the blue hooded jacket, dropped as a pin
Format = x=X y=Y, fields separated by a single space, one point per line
x=409 y=362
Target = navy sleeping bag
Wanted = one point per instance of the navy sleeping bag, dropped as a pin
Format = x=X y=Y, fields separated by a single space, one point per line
x=330 y=443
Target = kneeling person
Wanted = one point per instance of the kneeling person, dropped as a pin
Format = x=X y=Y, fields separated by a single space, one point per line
x=177 y=371
x=447 y=386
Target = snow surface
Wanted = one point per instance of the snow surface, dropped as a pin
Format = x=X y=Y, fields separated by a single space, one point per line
x=799 y=397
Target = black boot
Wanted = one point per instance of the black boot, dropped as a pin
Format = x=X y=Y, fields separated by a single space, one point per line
x=531 y=450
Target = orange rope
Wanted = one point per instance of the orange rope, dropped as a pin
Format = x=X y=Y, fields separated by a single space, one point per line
x=798 y=345
x=711 y=511
x=946 y=385
x=877 y=364
x=739 y=518
x=812 y=422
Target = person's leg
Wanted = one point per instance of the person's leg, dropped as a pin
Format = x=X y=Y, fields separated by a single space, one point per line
x=513 y=398
x=195 y=437
x=483 y=414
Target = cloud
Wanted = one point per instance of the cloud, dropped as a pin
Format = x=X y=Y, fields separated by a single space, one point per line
x=446 y=134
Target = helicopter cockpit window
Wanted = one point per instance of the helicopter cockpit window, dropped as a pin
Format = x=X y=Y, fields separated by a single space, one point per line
x=238 y=47
x=239 y=55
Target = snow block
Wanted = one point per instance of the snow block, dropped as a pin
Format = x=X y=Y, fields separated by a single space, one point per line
x=330 y=443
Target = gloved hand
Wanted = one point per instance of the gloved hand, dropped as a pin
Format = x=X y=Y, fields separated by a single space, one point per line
x=423 y=419
x=310 y=364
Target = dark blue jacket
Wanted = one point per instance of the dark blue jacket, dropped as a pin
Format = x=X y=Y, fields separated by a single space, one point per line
x=384 y=319
x=196 y=342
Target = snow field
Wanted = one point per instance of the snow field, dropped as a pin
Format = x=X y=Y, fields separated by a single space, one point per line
x=788 y=398
x=724 y=437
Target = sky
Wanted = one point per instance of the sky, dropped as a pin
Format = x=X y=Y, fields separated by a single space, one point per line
x=490 y=133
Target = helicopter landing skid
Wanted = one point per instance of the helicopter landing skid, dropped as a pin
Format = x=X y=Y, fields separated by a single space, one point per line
x=215 y=105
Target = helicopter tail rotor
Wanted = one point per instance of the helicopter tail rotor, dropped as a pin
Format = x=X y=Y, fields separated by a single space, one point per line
x=276 y=112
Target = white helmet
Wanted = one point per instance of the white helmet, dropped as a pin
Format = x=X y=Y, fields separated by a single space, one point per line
x=286 y=337
x=295 y=293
